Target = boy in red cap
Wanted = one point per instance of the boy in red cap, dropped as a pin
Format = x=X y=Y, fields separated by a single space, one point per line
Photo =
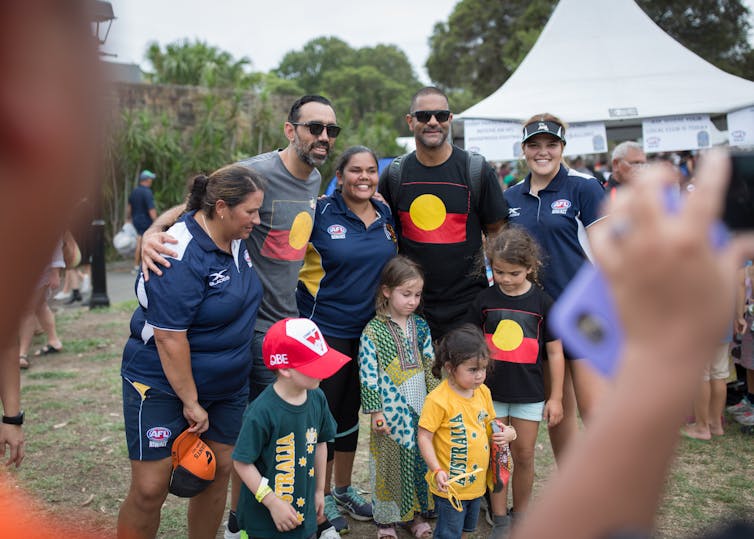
x=281 y=450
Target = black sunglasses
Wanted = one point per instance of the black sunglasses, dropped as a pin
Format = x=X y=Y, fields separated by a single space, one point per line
x=316 y=128
x=426 y=115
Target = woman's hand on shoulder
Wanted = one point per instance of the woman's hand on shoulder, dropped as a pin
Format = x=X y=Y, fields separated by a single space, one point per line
x=379 y=424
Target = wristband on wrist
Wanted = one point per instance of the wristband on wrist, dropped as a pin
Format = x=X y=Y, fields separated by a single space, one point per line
x=17 y=419
x=262 y=490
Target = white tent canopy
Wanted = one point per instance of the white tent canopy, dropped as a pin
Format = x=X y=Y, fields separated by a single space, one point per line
x=606 y=60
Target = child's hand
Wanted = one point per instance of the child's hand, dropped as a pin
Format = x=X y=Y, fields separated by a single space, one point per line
x=507 y=435
x=441 y=480
x=319 y=503
x=379 y=425
x=553 y=412
x=283 y=513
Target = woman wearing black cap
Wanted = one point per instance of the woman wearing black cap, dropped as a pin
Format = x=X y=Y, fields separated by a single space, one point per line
x=559 y=207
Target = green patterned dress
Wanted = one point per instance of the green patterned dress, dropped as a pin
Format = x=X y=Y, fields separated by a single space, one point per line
x=394 y=368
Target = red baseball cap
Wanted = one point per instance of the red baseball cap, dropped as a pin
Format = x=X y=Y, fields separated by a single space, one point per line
x=297 y=343
x=193 y=465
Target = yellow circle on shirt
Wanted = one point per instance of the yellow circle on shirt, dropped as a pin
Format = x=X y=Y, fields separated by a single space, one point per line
x=427 y=212
x=301 y=230
x=508 y=335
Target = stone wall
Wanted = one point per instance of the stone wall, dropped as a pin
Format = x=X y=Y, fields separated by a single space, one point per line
x=180 y=103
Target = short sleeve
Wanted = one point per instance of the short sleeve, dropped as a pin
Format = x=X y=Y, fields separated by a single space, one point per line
x=591 y=194
x=432 y=415
x=175 y=296
x=254 y=436
x=327 y=427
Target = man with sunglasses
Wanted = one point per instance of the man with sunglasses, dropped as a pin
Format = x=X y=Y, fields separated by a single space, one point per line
x=277 y=245
x=441 y=210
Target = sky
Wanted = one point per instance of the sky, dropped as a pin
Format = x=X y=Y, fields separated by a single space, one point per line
x=265 y=31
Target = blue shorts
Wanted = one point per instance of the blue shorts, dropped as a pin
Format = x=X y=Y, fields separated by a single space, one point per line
x=531 y=411
x=154 y=419
x=450 y=523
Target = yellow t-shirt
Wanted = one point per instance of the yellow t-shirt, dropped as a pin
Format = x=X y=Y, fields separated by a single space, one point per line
x=461 y=436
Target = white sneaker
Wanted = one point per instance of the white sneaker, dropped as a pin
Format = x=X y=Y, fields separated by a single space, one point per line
x=227 y=534
x=329 y=533
x=61 y=296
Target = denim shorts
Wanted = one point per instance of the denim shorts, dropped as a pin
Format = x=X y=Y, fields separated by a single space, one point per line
x=450 y=523
x=531 y=411
x=154 y=419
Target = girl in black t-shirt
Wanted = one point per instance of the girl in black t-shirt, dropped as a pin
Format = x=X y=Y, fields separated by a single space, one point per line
x=512 y=316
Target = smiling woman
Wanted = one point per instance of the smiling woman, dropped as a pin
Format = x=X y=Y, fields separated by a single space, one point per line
x=560 y=208
x=186 y=363
x=352 y=240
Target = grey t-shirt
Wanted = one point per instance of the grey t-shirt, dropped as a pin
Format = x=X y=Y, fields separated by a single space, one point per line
x=277 y=245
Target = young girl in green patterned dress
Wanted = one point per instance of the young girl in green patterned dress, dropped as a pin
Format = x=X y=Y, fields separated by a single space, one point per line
x=395 y=361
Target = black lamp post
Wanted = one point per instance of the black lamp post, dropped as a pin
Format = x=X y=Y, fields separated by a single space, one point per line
x=102 y=17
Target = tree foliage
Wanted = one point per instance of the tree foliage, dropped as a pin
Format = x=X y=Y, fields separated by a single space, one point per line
x=484 y=41
x=370 y=87
x=716 y=30
x=195 y=63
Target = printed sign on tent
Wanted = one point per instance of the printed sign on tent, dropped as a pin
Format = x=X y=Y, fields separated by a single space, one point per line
x=585 y=138
x=674 y=133
x=741 y=127
x=495 y=140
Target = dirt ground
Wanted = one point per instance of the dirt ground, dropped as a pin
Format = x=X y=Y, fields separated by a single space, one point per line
x=77 y=464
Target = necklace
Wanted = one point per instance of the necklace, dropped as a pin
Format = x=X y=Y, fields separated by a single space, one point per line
x=209 y=232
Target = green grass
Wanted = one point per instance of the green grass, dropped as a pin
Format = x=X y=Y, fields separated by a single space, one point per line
x=51 y=375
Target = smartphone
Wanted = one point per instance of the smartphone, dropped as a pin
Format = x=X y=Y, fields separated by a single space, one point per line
x=584 y=317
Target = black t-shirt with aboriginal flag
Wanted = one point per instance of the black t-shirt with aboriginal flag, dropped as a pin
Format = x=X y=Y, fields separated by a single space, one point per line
x=515 y=328
x=438 y=228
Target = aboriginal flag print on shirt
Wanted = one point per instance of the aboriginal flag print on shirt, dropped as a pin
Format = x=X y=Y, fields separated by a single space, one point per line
x=434 y=212
x=290 y=230
x=512 y=336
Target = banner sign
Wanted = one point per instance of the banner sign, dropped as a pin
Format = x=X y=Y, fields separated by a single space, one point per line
x=675 y=133
x=741 y=127
x=585 y=138
x=495 y=140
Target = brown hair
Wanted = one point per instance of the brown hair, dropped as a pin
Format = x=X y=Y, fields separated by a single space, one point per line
x=458 y=345
x=547 y=117
x=515 y=245
x=398 y=270
x=231 y=184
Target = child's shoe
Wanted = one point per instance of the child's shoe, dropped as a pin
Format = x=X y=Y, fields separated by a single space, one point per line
x=332 y=514
x=743 y=406
x=352 y=502
x=500 y=527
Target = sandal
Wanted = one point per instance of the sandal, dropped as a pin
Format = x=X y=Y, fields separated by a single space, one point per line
x=47 y=350
x=386 y=532
x=23 y=361
x=420 y=529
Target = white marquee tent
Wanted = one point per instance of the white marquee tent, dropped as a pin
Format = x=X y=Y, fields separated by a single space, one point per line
x=607 y=61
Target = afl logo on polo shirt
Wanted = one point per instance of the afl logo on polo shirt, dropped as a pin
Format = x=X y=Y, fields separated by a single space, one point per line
x=560 y=206
x=247 y=258
x=337 y=232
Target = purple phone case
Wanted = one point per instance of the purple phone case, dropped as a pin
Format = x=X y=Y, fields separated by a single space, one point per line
x=584 y=316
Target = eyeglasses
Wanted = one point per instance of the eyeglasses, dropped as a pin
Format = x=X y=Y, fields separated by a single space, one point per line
x=452 y=492
x=426 y=115
x=316 y=128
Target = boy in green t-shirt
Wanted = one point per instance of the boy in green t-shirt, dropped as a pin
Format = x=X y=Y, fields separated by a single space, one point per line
x=281 y=451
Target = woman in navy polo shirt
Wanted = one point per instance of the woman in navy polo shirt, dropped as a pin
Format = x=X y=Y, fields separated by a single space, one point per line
x=560 y=207
x=352 y=239
x=186 y=363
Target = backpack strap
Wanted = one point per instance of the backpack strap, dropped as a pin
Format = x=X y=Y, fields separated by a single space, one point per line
x=394 y=173
x=475 y=165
